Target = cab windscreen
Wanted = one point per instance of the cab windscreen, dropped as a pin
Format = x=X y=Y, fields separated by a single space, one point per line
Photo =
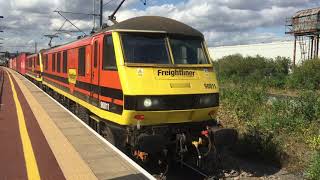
x=145 y=48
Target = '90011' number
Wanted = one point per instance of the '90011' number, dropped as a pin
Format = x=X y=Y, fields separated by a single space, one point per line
x=210 y=86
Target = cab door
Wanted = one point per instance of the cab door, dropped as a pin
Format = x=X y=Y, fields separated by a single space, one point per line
x=96 y=49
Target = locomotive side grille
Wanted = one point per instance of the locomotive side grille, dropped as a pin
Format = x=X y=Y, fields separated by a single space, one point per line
x=171 y=102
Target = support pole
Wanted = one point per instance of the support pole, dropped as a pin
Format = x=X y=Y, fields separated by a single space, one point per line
x=101 y=12
x=311 y=47
x=317 y=48
x=308 y=50
x=94 y=16
x=35 y=47
x=294 y=51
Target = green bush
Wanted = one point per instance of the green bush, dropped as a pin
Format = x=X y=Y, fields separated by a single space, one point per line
x=289 y=115
x=309 y=105
x=281 y=117
x=267 y=123
x=305 y=76
x=273 y=129
x=243 y=100
x=253 y=70
x=313 y=171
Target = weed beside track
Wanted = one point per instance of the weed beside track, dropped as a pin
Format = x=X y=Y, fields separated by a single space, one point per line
x=283 y=131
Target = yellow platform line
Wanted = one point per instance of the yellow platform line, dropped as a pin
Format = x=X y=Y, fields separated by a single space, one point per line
x=30 y=160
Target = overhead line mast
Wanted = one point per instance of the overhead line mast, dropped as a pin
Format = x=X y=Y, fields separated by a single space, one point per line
x=101 y=12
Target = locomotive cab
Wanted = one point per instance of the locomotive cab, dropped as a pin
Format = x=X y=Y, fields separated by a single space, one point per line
x=166 y=78
x=170 y=91
x=165 y=72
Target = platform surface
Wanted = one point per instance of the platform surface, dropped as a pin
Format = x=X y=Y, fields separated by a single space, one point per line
x=41 y=140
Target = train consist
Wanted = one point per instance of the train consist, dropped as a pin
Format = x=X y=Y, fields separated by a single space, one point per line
x=145 y=84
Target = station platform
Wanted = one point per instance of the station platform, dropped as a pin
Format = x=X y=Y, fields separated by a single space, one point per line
x=40 y=139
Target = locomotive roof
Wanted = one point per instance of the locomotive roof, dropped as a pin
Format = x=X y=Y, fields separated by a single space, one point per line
x=32 y=55
x=155 y=23
x=142 y=24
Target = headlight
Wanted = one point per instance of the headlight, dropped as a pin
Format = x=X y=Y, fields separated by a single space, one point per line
x=147 y=103
x=205 y=100
x=209 y=100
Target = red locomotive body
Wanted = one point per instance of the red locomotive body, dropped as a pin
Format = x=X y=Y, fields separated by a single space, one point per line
x=76 y=68
x=33 y=67
x=20 y=63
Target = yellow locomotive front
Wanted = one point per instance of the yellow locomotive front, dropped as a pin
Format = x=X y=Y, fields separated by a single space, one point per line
x=166 y=79
x=170 y=92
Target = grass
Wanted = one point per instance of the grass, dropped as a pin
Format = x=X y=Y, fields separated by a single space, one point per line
x=274 y=129
x=313 y=171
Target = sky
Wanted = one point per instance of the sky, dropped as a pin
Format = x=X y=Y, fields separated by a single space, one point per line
x=223 y=22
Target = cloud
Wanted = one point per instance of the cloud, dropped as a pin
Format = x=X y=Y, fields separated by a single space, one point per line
x=231 y=21
x=223 y=22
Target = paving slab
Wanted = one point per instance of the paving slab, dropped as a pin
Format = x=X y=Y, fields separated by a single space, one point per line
x=97 y=159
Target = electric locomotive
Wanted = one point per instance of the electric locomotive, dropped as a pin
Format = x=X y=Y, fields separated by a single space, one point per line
x=146 y=84
x=34 y=68
x=19 y=63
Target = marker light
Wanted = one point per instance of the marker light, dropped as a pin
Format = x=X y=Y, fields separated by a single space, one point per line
x=139 y=117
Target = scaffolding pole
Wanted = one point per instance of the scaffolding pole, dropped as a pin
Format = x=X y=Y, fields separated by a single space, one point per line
x=294 y=51
x=317 y=49
x=311 y=47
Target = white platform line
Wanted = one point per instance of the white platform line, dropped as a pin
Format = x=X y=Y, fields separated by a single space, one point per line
x=124 y=156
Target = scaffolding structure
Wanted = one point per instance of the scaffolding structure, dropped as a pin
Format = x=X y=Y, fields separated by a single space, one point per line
x=305 y=27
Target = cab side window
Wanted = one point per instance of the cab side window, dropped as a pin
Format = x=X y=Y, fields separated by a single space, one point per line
x=109 y=59
x=58 y=62
x=53 y=62
x=81 y=61
x=46 y=61
x=65 y=61
x=95 y=60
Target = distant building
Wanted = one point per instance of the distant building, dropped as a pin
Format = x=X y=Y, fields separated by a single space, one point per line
x=268 y=50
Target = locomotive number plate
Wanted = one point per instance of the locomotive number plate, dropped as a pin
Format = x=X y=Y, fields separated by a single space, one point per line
x=210 y=86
